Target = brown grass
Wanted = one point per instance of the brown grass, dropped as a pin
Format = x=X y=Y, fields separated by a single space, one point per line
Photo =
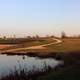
x=30 y=44
x=3 y=46
x=68 y=45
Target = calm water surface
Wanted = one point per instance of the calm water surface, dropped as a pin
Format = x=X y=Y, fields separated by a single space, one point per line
x=8 y=63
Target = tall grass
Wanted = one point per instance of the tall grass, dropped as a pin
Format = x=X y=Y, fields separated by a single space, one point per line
x=24 y=74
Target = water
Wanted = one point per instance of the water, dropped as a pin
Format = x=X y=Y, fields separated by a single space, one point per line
x=8 y=63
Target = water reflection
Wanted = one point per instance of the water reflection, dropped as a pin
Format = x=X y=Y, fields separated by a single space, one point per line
x=8 y=63
x=23 y=57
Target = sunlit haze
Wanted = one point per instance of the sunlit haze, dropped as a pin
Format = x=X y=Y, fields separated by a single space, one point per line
x=42 y=17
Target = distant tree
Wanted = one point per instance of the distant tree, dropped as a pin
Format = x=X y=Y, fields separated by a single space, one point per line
x=14 y=36
x=33 y=37
x=37 y=36
x=47 y=36
x=63 y=35
x=29 y=37
x=78 y=36
x=0 y=36
x=4 y=37
x=52 y=36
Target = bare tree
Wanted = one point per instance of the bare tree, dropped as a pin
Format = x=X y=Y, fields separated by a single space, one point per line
x=63 y=35
x=4 y=37
x=37 y=36
x=14 y=36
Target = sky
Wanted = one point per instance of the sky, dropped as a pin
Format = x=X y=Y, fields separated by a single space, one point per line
x=39 y=17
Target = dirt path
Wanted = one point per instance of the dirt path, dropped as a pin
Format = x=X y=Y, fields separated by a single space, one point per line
x=34 y=47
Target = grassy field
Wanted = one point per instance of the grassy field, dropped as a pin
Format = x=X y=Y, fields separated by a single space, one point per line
x=23 y=42
x=67 y=51
x=68 y=45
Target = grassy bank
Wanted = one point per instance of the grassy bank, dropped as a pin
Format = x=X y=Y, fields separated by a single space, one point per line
x=67 y=45
x=25 y=74
x=68 y=51
x=23 y=43
x=69 y=71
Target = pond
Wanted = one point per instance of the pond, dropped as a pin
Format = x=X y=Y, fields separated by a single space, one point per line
x=8 y=63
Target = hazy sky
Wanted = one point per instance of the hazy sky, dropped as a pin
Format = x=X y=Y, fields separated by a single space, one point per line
x=42 y=17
